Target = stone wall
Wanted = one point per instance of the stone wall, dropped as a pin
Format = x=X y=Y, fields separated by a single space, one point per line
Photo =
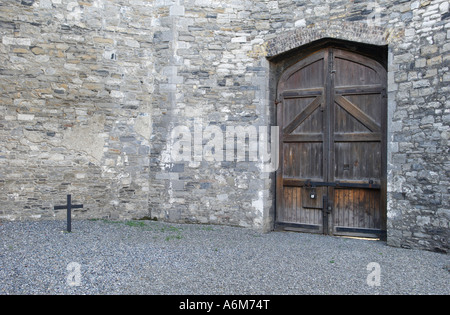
x=419 y=108
x=208 y=74
x=75 y=107
x=92 y=91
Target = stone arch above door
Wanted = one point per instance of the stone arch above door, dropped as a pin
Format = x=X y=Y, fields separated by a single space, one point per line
x=347 y=31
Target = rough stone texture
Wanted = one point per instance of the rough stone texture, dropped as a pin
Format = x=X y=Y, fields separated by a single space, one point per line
x=75 y=107
x=91 y=91
x=343 y=30
x=418 y=165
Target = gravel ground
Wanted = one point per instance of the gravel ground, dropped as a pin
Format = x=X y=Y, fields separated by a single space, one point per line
x=146 y=257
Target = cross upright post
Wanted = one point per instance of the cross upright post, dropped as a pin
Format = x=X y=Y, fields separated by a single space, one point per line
x=69 y=208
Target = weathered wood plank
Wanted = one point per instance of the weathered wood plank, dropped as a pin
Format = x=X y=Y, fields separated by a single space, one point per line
x=353 y=110
x=303 y=115
x=338 y=148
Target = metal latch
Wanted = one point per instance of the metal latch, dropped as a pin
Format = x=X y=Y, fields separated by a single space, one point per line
x=329 y=209
x=326 y=206
x=313 y=194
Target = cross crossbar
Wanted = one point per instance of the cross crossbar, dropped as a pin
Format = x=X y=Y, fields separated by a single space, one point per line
x=69 y=206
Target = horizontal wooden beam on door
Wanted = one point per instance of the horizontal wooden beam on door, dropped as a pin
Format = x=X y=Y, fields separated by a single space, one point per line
x=357 y=137
x=361 y=89
x=293 y=182
x=299 y=93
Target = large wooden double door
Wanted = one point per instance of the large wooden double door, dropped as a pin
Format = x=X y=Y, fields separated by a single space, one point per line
x=331 y=110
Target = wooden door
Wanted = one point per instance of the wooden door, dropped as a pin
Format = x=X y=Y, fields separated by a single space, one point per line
x=332 y=118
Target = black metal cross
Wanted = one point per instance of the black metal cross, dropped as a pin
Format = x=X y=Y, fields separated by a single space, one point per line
x=69 y=208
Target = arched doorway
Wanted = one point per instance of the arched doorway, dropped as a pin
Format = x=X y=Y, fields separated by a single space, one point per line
x=331 y=110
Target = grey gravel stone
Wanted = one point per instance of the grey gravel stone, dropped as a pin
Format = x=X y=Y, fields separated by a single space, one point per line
x=146 y=257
